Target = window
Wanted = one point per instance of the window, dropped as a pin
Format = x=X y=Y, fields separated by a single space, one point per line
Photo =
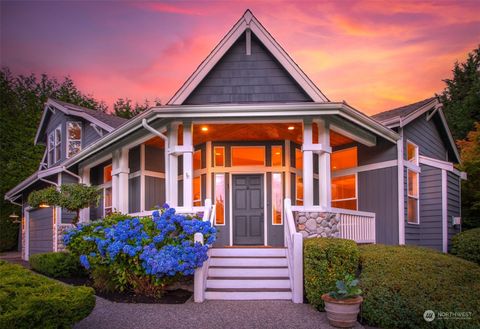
x=107 y=174
x=277 y=155
x=107 y=201
x=58 y=143
x=197 y=160
x=248 y=156
x=277 y=199
x=298 y=159
x=51 y=147
x=220 y=199
x=299 y=190
x=344 y=159
x=344 y=192
x=412 y=153
x=54 y=146
x=219 y=159
x=74 y=138
x=197 y=191
x=412 y=187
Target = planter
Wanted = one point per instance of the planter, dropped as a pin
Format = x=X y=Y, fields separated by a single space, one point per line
x=342 y=313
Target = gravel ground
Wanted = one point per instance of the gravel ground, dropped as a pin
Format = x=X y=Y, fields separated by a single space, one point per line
x=210 y=314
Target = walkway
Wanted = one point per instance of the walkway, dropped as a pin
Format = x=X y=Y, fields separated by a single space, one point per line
x=210 y=314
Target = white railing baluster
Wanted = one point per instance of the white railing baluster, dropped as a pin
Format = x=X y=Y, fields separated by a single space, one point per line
x=294 y=244
x=356 y=225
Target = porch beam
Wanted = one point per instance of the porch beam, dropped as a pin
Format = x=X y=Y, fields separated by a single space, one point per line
x=307 y=164
x=172 y=172
x=187 y=150
x=352 y=131
x=324 y=174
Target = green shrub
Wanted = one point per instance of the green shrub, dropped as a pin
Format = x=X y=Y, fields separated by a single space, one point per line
x=29 y=300
x=327 y=260
x=401 y=283
x=467 y=245
x=57 y=265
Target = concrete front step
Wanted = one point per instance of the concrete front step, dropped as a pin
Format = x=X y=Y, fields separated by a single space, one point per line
x=248 y=261
x=248 y=252
x=248 y=294
x=249 y=282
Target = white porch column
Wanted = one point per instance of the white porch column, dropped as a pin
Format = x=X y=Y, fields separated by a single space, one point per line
x=188 y=164
x=324 y=172
x=85 y=213
x=172 y=172
x=120 y=173
x=307 y=163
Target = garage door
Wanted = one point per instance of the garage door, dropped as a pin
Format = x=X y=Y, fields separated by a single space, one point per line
x=41 y=230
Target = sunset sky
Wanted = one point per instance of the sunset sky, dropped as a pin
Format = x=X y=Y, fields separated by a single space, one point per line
x=375 y=55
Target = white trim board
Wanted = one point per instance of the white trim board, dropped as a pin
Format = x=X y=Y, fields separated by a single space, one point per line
x=248 y=22
x=373 y=166
x=444 y=211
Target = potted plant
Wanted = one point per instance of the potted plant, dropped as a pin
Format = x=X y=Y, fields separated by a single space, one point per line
x=343 y=305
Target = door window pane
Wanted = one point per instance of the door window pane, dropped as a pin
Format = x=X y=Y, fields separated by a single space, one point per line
x=248 y=156
x=277 y=155
x=197 y=191
x=344 y=159
x=219 y=156
x=220 y=199
x=277 y=198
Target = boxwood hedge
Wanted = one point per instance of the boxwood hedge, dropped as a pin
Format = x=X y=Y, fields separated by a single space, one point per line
x=401 y=283
x=57 y=265
x=29 y=300
x=467 y=245
x=327 y=260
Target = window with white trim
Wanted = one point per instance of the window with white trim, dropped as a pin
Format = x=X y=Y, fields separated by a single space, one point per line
x=412 y=153
x=413 y=210
x=220 y=199
x=277 y=198
x=74 y=138
x=54 y=146
x=344 y=188
x=107 y=190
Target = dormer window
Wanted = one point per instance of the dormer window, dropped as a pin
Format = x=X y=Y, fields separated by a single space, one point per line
x=74 y=138
x=54 y=146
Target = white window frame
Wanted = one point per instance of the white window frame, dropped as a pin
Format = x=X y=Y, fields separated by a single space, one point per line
x=271 y=155
x=224 y=196
x=199 y=177
x=356 y=191
x=73 y=140
x=104 y=187
x=417 y=198
x=344 y=150
x=416 y=152
x=215 y=156
x=51 y=148
x=58 y=144
x=52 y=159
x=246 y=147
x=282 y=198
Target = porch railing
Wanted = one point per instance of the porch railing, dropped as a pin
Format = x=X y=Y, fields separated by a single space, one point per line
x=294 y=244
x=358 y=226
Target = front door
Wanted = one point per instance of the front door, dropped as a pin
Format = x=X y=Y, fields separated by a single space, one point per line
x=248 y=209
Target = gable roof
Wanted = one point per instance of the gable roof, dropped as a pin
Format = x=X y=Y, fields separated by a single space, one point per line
x=402 y=116
x=248 y=22
x=103 y=120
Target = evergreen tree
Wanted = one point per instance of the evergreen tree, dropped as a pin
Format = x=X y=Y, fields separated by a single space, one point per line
x=124 y=107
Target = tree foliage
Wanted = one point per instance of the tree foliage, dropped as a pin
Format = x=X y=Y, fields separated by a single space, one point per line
x=461 y=97
x=470 y=154
x=22 y=100
x=125 y=108
x=72 y=197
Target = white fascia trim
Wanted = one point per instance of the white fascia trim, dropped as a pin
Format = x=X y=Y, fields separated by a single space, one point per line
x=373 y=166
x=449 y=134
x=401 y=189
x=247 y=22
x=444 y=165
x=419 y=112
x=444 y=212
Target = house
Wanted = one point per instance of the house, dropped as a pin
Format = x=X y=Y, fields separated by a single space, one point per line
x=250 y=141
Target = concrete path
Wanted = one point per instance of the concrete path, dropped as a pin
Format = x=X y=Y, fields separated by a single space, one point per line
x=208 y=315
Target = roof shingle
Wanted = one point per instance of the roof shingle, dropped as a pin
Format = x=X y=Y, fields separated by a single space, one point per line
x=401 y=111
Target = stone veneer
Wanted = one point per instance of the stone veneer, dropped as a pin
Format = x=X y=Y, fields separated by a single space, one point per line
x=61 y=228
x=317 y=224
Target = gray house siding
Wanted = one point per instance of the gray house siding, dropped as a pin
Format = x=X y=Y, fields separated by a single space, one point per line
x=41 y=231
x=453 y=204
x=378 y=193
x=241 y=78
x=426 y=135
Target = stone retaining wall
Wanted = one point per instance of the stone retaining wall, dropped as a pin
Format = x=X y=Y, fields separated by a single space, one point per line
x=317 y=224
x=61 y=229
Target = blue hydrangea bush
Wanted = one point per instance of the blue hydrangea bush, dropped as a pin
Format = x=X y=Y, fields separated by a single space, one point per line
x=142 y=254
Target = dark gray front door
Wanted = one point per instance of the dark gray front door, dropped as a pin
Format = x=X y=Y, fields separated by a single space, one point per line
x=248 y=209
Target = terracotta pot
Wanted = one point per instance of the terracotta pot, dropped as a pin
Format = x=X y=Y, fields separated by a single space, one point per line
x=342 y=313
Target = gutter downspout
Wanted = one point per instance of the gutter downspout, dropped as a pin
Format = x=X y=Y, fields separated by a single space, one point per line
x=165 y=139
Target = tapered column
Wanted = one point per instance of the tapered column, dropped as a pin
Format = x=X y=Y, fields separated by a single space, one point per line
x=172 y=197
x=307 y=163
x=324 y=165
x=187 y=165
x=85 y=213
x=120 y=171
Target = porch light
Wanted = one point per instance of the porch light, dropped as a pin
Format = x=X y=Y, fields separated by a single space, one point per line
x=291 y=128
x=44 y=205
x=204 y=128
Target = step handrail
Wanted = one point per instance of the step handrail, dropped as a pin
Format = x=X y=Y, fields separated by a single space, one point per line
x=201 y=273
x=294 y=244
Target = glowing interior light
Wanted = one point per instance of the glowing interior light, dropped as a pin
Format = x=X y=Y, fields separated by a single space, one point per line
x=204 y=128
x=291 y=127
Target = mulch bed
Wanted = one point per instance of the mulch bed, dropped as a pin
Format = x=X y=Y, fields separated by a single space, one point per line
x=176 y=296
